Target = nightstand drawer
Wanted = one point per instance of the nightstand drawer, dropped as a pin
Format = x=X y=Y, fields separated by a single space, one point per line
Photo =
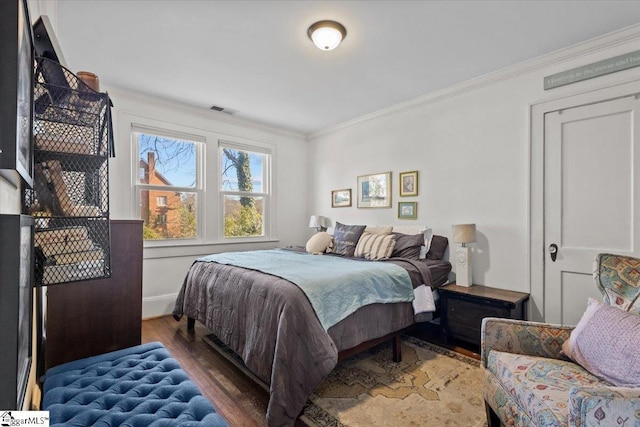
x=472 y=313
x=464 y=318
x=463 y=309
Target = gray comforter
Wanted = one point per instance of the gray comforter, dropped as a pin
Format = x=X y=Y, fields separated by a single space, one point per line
x=271 y=325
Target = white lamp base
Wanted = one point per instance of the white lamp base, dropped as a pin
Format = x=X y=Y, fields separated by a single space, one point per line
x=463 y=266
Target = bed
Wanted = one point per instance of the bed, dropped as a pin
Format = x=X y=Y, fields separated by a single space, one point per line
x=284 y=340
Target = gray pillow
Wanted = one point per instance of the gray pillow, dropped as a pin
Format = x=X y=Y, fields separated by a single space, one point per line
x=345 y=238
x=408 y=245
x=438 y=246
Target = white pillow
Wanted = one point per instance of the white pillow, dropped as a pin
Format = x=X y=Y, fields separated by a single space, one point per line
x=379 y=230
x=319 y=242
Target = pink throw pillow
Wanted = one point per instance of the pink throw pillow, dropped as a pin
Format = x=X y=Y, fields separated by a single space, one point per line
x=605 y=343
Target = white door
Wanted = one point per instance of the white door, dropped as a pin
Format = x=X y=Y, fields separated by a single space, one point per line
x=591 y=198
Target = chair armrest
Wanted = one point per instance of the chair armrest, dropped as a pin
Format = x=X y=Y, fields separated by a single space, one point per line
x=593 y=406
x=523 y=337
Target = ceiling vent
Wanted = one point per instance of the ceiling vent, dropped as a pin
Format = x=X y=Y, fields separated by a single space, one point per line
x=229 y=111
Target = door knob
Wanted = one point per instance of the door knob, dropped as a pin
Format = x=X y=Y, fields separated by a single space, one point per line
x=553 y=251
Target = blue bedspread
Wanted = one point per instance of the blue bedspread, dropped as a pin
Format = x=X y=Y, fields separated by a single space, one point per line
x=336 y=287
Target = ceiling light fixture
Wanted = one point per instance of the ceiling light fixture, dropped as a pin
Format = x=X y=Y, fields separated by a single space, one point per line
x=327 y=35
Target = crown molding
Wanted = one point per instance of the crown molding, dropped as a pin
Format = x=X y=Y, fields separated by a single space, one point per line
x=203 y=113
x=597 y=44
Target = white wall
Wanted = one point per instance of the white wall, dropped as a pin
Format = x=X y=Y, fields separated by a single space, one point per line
x=164 y=268
x=9 y=197
x=470 y=144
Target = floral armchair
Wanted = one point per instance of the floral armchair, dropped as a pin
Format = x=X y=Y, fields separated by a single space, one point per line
x=530 y=382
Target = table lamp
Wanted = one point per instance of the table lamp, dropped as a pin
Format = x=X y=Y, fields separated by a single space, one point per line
x=463 y=234
x=318 y=222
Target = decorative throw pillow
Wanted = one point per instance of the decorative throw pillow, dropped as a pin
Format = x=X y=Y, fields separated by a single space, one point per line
x=407 y=246
x=345 y=238
x=378 y=230
x=605 y=343
x=319 y=243
x=375 y=246
x=438 y=246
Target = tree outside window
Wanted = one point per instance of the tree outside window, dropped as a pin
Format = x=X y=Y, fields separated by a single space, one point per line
x=244 y=191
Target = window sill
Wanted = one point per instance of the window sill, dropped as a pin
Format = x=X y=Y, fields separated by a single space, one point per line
x=182 y=249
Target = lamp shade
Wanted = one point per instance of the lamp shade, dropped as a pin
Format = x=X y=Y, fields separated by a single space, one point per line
x=317 y=221
x=464 y=233
x=327 y=35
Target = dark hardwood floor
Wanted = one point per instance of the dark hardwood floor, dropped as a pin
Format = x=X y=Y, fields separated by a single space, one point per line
x=430 y=332
x=235 y=396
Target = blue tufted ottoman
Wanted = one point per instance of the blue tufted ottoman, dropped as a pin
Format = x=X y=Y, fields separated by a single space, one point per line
x=141 y=386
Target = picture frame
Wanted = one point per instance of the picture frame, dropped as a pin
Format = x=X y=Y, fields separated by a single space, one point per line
x=374 y=191
x=16 y=90
x=408 y=182
x=407 y=210
x=341 y=198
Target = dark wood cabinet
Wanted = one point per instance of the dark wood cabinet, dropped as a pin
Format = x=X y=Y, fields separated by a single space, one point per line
x=463 y=309
x=91 y=317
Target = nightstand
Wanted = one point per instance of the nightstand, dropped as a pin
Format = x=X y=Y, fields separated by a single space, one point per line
x=462 y=309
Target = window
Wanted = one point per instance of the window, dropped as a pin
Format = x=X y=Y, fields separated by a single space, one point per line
x=168 y=188
x=244 y=190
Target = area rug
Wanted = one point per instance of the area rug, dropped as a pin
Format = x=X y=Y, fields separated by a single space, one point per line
x=431 y=386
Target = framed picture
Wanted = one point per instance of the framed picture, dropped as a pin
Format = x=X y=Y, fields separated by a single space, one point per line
x=407 y=210
x=374 y=191
x=16 y=109
x=408 y=183
x=341 y=198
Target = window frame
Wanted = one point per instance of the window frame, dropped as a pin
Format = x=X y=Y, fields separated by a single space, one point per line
x=210 y=225
x=138 y=187
x=266 y=194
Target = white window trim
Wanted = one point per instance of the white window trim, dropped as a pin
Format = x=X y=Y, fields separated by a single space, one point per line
x=209 y=228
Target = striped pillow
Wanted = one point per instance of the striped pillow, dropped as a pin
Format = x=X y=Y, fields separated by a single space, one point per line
x=375 y=246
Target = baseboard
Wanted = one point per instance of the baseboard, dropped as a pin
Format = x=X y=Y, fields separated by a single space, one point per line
x=161 y=305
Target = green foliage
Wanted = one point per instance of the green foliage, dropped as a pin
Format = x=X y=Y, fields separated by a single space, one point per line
x=242 y=222
x=244 y=218
x=188 y=222
x=149 y=233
